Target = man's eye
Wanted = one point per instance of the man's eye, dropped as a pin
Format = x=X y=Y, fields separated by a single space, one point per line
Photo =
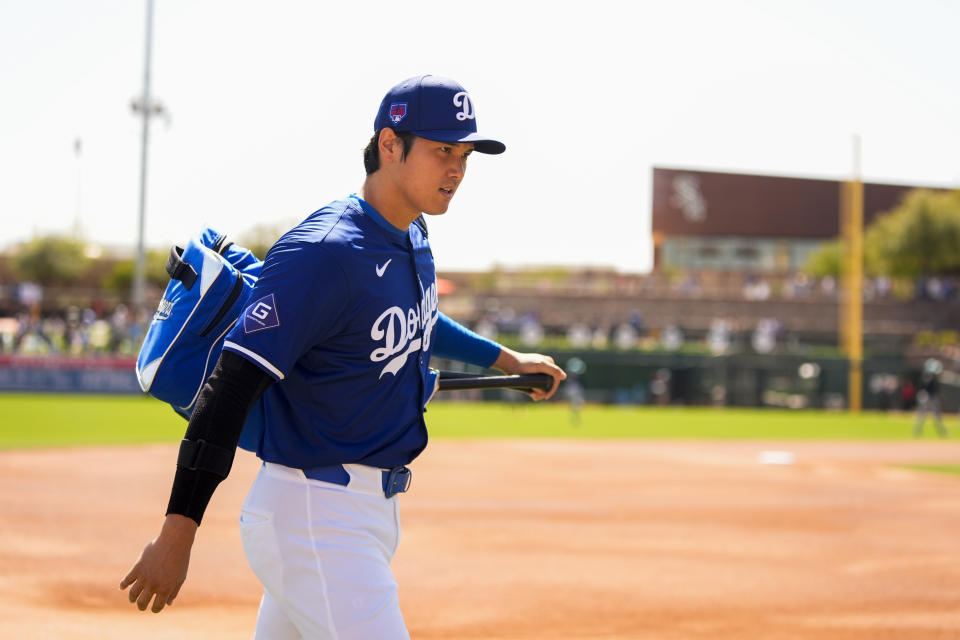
x=445 y=149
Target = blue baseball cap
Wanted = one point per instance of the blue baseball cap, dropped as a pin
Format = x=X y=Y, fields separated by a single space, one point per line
x=434 y=108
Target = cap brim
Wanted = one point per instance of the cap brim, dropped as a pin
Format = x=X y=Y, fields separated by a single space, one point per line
x=480 y=143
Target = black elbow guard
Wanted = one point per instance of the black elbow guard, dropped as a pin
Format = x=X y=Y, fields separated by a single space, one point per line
x=201 y=455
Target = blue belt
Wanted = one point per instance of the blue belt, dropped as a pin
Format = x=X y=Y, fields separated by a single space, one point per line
x=396 y=480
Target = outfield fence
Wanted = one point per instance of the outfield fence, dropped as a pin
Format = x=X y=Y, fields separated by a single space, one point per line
x=609 y=377
x=65 y=374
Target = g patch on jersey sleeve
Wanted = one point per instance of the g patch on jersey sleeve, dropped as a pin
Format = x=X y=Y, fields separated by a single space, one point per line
x=261 y=315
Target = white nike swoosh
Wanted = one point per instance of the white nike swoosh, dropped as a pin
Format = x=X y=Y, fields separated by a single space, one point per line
x=380 y=269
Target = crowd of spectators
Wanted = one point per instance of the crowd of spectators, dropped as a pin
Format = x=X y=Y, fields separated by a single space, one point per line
x=800 y=286
x=95 y=329
x=30 y=325
x=632 y=332
x=75 y=331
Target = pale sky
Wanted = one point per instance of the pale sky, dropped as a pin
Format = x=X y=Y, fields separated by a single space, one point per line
x=272 y=102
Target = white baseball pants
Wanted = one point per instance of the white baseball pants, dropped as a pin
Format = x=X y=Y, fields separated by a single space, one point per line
x=322 y=553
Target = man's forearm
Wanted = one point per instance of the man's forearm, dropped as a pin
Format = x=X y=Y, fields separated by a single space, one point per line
x=214 y=430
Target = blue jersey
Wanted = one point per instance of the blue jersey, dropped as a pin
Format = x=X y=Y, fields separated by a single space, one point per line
x=343 y=317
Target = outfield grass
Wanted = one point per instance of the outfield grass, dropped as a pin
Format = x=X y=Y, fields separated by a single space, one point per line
x=52 y=420
x=950 y=469
x=556 y=420
x=45 y=420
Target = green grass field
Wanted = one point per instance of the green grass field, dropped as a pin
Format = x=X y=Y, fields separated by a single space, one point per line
x=47 y=420
x=949 y=469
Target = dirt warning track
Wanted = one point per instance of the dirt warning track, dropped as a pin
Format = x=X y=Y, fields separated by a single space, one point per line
x=531 y=539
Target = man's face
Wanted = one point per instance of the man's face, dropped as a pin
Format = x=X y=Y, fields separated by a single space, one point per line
x=430 y=174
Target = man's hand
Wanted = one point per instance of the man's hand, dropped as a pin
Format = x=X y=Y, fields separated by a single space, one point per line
x=511 y=362
x=162 y=567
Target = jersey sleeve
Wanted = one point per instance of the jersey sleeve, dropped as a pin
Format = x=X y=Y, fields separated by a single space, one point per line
x=455 y=341
x=296 y=303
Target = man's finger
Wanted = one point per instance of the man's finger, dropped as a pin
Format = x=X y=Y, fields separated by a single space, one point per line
x=158 y=603
x=556 y=383
x=135 y=591
x=558 y=375
x=144 y=600
x=131 y=577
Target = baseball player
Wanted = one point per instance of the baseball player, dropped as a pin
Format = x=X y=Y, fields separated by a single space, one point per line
x=928 y=398
x=336 y=344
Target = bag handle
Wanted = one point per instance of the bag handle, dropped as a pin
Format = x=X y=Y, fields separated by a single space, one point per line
x=180 y=270
x=222 y=245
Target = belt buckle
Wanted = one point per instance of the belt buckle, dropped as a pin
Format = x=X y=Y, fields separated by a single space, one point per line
x=398 y=481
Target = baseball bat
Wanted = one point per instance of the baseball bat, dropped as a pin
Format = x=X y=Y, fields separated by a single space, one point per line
x=456 y=381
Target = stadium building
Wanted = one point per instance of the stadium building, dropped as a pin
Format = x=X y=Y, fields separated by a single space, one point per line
x=712 y=221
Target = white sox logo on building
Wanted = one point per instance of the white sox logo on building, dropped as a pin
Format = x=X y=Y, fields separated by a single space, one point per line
x=463 y=100
x=397 y=329
x=688 y=198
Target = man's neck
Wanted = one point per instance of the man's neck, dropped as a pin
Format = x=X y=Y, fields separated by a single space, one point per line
x=377 y=193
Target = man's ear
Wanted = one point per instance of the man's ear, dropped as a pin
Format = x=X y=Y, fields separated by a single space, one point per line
x=390 y=145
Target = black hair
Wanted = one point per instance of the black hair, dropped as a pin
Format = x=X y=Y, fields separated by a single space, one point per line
x=371 y=154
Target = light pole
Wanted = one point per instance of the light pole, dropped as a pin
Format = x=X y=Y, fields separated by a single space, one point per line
x=147 y=108
x=77 y=223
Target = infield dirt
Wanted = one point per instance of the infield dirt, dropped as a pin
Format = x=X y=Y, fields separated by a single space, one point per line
x=531 y=539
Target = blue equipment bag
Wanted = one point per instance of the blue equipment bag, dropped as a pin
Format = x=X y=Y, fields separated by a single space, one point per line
x=210 y=283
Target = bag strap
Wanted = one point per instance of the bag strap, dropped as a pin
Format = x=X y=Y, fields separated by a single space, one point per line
x=180 y=270
x=222 y=245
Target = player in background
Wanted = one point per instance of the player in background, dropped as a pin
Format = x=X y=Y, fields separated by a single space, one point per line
x=928 y=398
x=336 y=345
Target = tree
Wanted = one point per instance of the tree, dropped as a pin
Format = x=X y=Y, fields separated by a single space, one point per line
x=825 y=260
x=51 y=260
x=918 y=238
x=120 y=278
x=261 y=237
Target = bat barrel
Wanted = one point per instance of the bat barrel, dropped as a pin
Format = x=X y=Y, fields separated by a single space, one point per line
x=456 y=381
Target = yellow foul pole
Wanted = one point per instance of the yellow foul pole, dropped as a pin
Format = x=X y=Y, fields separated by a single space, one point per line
x=851 y=312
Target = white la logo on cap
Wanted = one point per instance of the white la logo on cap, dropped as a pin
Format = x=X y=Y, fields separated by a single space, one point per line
x=463 y=100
